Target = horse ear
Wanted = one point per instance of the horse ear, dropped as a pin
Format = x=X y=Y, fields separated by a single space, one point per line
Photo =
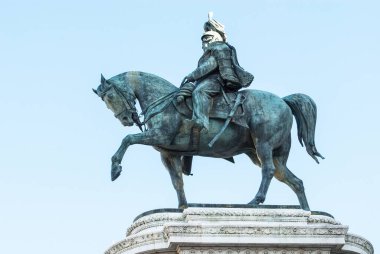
x=102 y=79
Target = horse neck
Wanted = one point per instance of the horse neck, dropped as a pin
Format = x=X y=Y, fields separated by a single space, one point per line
x=148 y=88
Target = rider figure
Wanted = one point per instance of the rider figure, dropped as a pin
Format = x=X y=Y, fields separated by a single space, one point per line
x=218 y=69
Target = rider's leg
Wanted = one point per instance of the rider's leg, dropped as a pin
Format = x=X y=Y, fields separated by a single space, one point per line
x=202 y=99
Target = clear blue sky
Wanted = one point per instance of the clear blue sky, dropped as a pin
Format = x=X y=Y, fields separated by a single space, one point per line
x=57 y=137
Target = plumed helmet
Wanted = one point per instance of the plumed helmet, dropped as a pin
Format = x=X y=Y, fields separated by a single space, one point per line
x=213 y=25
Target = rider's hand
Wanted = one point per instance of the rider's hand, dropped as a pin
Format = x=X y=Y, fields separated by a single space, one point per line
x=187 y=79
x=184 y=81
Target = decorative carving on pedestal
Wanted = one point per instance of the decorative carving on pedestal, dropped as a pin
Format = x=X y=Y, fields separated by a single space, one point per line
x=226 y=212
x=250 y=251
x=322 y=219
x=239 y=231
x=359 y=242
x=253 y=230
x=153 y=220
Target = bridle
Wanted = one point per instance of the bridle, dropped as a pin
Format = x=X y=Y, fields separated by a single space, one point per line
x=128 y=106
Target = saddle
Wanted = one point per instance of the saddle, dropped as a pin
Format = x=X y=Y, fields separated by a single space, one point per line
x=220 y=109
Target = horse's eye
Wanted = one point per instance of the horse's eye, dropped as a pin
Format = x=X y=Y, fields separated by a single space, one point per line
x=110 y=96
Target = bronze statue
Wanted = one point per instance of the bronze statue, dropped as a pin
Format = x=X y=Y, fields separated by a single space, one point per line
x=251 y=122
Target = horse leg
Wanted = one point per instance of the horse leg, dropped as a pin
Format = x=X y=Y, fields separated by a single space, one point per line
x=283 y=174
x=173 y=165
x=252 y=155
x=264 y=154
x=151 y=137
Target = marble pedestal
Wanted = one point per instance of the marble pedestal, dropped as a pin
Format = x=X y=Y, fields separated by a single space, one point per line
x=197 y=230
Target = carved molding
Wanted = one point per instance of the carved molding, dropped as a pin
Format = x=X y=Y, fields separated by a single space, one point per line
x=154 y=220
x=235 y=250
x=316 y=219
x=226 y=212
x=359 y=242
x=136 y=241
x=254 y=230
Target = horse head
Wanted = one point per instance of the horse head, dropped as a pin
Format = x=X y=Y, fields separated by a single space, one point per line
x=119 y=100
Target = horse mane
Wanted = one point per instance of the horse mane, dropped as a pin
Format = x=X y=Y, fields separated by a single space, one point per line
x=145 y=79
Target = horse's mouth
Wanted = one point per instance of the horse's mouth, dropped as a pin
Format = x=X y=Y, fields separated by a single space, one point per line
x=124 y=123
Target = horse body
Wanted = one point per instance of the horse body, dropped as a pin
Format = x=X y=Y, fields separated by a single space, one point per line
x=266 y=142
x=267 y=117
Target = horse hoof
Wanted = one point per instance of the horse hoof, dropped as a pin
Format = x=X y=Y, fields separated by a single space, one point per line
x=115 y=172
x=256 y=201
x=184 y=206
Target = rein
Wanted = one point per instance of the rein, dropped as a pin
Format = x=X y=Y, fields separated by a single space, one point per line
x=154 y=104
x=145 y=113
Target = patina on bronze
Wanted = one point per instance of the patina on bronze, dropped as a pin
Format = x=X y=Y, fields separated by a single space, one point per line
x=259 y=127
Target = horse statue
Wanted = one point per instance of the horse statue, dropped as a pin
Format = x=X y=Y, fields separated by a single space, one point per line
x=262 y=129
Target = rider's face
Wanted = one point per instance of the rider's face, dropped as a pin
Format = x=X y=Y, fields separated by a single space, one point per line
x=205 y=41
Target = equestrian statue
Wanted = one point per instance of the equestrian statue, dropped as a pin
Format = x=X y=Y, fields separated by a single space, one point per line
x=210 y=116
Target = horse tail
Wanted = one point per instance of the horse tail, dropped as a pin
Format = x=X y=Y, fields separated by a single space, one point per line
x=305 y=112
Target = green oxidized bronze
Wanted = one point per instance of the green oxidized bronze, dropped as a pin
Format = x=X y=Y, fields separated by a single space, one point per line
x=225 y=122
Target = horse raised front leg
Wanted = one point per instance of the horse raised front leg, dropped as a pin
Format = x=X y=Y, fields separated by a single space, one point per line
x=150 y=137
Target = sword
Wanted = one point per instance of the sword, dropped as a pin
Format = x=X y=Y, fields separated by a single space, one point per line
x=239 y=100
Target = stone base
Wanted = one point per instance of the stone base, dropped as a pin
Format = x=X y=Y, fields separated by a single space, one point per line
x=212 y=230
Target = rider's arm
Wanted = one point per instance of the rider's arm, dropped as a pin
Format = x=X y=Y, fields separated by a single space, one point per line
x=203 y=69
